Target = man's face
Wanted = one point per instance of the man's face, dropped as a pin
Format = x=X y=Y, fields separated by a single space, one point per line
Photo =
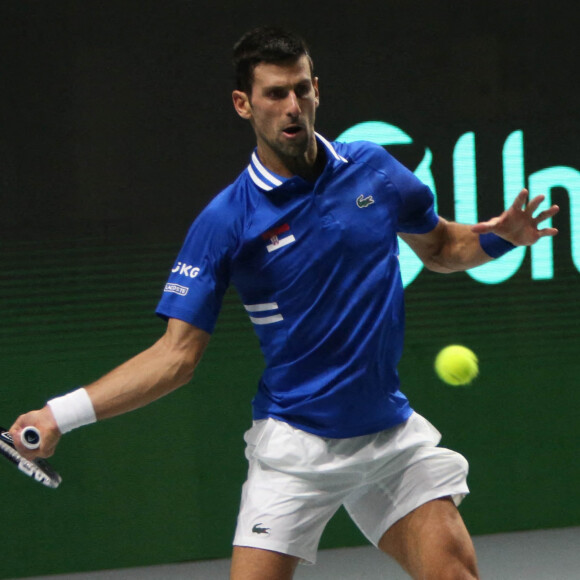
x=282 y=109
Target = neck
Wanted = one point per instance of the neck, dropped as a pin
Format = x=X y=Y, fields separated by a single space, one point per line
x=308 y=165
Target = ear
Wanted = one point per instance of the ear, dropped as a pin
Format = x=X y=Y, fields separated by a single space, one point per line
x=316 y=92
x=242 y=104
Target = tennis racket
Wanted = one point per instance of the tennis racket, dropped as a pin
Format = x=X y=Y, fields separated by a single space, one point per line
x=39 y=469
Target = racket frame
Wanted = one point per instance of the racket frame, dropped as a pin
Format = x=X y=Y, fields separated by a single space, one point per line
x=39 y=469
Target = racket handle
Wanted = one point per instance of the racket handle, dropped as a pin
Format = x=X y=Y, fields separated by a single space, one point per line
x=30 y=437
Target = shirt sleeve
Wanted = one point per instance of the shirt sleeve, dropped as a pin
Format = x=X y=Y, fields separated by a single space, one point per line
x=417 y=214
x=417 y=203
x=201 y=273
x=417 y=210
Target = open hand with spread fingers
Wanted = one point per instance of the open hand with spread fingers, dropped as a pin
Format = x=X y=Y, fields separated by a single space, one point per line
x=518 y=224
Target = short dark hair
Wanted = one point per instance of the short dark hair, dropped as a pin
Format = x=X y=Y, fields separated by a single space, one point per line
x=268 y=44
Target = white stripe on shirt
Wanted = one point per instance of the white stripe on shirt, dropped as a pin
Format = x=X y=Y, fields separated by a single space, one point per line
x=261 y=307
x=267 y=319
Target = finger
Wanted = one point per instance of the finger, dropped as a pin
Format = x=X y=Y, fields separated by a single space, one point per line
x=547 y=213
x=547 y=232
x=485 y=227
x=534 y=204
x=482 y=228
x=521 y=199
x=16 y=434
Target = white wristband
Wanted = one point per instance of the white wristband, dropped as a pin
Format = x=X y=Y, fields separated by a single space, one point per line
x=72 y=410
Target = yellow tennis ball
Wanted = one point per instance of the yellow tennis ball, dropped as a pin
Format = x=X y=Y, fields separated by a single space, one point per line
x=456 y=365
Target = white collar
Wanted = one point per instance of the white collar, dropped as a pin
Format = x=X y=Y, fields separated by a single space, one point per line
x=267 y=180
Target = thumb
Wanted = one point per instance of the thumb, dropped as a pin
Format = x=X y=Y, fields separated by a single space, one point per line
x=485 y=227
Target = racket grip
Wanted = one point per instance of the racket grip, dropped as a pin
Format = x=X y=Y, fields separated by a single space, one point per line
x=30 y=437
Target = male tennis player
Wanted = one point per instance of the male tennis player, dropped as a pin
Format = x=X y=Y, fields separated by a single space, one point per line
x=308 y=236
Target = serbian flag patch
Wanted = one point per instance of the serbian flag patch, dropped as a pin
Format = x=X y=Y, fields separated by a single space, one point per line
x=278 y=237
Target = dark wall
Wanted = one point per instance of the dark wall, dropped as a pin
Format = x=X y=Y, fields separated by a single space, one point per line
x=117 y=128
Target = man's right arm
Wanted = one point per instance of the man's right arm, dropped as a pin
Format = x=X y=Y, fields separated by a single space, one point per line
x=165 y=366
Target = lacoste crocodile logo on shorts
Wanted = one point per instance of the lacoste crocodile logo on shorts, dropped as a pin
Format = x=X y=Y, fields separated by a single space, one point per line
x=362 y=201
x=257 y=529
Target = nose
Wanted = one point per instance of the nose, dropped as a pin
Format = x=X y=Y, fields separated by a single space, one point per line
x=293 y=105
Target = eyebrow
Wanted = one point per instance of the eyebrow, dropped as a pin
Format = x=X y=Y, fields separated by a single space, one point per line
x=302 y=82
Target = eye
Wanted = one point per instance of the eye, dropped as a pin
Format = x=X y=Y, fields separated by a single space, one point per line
x=276 y=93
x=303 y=90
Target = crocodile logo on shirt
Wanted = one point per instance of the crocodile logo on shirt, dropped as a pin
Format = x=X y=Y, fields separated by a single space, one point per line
x=362 y=201
x=257 y=529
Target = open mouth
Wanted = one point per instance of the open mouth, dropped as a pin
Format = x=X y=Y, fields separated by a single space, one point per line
x=292 y=130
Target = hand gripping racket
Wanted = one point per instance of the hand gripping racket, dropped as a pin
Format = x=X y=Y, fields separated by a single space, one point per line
x=39 y=469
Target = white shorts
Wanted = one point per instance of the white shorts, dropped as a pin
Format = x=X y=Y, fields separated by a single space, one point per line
x=297 y=481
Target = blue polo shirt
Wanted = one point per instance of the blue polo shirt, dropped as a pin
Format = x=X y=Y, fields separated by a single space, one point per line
x=316 y=266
